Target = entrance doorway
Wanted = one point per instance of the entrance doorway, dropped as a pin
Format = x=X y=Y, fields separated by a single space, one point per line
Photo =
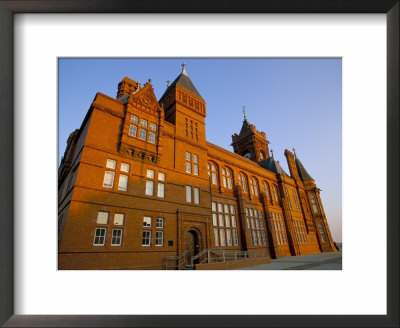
x=191 y=245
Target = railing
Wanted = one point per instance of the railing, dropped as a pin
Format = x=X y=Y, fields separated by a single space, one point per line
x=176 y=259
x=212 y=255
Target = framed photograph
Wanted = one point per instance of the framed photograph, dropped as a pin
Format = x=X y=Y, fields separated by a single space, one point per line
x=35 y=292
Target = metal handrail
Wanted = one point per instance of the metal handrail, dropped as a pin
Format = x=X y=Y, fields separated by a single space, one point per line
x=168 y=258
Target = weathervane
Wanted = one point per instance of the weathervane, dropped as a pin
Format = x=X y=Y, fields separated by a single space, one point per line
x=244 y=112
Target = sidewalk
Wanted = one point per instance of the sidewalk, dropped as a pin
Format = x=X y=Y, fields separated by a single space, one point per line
x=321 y=261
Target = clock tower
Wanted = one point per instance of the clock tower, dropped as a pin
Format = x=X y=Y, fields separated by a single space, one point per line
x=250 y=143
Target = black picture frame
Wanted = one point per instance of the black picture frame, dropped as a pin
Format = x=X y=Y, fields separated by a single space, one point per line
x=7 y=11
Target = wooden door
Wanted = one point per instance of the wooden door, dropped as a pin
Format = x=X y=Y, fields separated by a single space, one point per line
x=190 y=245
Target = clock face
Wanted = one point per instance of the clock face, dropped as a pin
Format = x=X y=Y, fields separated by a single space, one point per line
x=247 y=155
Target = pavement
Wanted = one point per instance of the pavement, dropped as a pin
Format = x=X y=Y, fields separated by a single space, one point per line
x=320 y=261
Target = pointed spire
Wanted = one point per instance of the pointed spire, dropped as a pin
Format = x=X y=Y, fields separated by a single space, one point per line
x=184 y=69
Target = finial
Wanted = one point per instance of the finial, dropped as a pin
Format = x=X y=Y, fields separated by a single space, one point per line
x=149 y=81
x=139 y=84
x=272 y=153
x=184 y=68
x=294 y=151
x=244 y=112
x=168 y=82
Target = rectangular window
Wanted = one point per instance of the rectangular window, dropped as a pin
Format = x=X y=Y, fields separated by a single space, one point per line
x=229 y=237
x=152 y=137
x=161 y=176
x=159 y=238
x=222 y=237
x=108 y=179
x=153 y=127
x=188 y=156
x=149 y=188
x=195 y=158
x=147 y=221
x=132 y=130
x=160 y=190
x=189 y=194
x=142 y=134
x=216 y=237
x=102 y=217
x=215 y=219
x=196 y=195
x=118 y=219
x=195 y=169
x=146 y=238
x=123 y=182
x=111 y=164
x=116 y=237
x=160 y=223
x=125 y=167
x=143 y=123
x=99 y=236
x=134 y=119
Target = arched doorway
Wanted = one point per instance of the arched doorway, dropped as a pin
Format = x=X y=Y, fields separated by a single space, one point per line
x=191 y=244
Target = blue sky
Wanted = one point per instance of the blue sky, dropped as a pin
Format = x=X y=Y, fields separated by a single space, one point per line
x=296 y=102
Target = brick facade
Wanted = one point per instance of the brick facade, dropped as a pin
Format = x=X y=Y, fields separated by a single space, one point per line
x=136 y=158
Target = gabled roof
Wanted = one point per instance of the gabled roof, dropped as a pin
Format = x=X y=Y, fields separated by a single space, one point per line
x=304 y=175
x=184 y=81
x=272 y=165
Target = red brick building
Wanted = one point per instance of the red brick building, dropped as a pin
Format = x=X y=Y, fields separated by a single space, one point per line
x=139 y=185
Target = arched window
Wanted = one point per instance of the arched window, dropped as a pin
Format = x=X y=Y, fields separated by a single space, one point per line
x=243 y=182
x=275 y=193
x=254 y=186
x=227 y=178
x=212 y=171
x=266 y=188
x=314 y=203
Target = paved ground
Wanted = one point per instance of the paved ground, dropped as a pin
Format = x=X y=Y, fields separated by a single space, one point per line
x=321 y=261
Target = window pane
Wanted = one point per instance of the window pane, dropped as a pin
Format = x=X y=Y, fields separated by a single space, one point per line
x=214 y=206
x=160 y=190
x=229 y=237
x=251 y=211
x=195 y=169
x=146 y=238
x=188 y=167
x=153 y=127
x=150 y=174
x=216 y=237
x=262 y=223
x=161 y=176
x=224 y=181
x=220 y=207
x=149 y=188
x=257 y=224
x=118 y=219
x=125 y=167
x=233 y=221
x=188 y=156
x=252 y=223
x=229 y=183
x=222 y=236
x=111 y=164
x=195 y=158
x=142 y=134
x=254 y=237
x=259 y=237
x=235 y=237
x=188 y=194
x=102 y=217
x=147 y=221
x=123 y=182
x=196 y=195
x=227 y=220
x=233 y=209
x=214 y=178
x=152 y=137
x=221 y=219
x=214 y=216
x=108 y=179
x=99 y=236
x=132 y=130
